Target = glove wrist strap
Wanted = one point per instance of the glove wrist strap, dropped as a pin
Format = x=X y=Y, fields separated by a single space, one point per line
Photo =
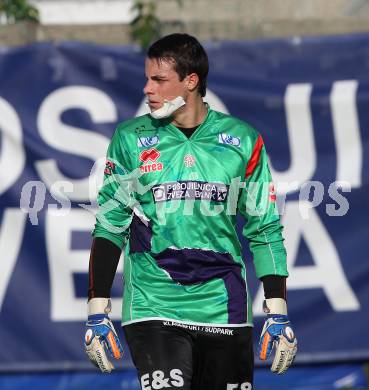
x=99 y=306
x=275 y=306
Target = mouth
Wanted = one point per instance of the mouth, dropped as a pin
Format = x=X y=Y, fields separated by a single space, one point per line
x=154 y=104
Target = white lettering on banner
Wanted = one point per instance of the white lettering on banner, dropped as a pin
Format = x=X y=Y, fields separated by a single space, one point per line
x=12 y=156
x=347 y=132
x=215 y=102
x=96 y=179
x=327 y=273
x=63 y=262
x=72 y=139
x=11 y=236
x=300 y=136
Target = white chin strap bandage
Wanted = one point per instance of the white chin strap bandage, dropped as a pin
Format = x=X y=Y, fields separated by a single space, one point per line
x=168 y=108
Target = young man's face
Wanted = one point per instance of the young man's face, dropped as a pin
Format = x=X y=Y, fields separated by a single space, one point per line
x=162 y=83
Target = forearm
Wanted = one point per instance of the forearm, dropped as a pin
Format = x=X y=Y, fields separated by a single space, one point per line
x=274 y=286
x=104 y=260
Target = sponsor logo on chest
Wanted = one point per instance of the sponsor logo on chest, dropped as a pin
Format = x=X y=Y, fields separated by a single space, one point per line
x=145 y=142
x=196 y=190
x=149 y=158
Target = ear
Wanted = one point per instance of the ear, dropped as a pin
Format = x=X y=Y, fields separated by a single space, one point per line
x=192 y=81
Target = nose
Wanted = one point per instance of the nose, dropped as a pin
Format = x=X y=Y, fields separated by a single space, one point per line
x=148 y=88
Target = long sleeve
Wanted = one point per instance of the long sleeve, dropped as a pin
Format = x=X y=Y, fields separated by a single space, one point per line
x=115 y=199
x=257 y=204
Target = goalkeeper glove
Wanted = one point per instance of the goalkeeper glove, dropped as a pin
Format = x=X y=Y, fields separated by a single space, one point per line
x=277 y=332
x=101 y=335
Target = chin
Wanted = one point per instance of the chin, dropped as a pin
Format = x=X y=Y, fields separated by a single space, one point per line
x=155 y=107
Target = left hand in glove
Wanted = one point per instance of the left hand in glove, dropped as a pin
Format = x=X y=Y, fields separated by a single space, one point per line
x=277 y=332
x=101 y=335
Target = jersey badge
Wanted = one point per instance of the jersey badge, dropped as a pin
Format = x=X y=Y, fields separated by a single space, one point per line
x=272 y=193
x=229 y=139
x=189 y=160
x=144 y=142
x=109 y=167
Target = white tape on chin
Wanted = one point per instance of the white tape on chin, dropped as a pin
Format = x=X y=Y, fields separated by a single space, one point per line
x=276 y=306
x=99 y=306
x=168 y=108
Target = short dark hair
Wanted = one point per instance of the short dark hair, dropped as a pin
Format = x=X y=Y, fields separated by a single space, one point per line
x=188 y=56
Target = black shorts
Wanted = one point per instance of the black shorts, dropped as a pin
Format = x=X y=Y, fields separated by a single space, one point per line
x=168 y=354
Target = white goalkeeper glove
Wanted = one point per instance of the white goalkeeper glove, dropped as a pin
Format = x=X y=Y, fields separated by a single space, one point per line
x=101 y=335
x=277 y=332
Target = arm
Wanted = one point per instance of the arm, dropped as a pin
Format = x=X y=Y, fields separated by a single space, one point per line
x=264 y=233
x=103 y=264
x=110 y=235
x=262 y=228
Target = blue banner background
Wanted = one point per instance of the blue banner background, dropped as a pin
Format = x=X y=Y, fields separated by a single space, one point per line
x=251 y=80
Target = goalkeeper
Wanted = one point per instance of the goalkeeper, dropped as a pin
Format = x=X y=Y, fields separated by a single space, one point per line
x=173 y=183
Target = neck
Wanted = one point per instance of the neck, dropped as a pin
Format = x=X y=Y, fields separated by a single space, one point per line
x=191 y=115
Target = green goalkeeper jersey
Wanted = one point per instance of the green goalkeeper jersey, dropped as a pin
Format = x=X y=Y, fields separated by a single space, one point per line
x=172 y=201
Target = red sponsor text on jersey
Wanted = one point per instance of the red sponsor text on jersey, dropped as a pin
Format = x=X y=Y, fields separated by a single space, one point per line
x=147 y=156
x=151 y=167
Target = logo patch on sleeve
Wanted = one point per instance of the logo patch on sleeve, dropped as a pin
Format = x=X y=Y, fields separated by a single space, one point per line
x=229 y=140
x=272 y=193
x=109 y=167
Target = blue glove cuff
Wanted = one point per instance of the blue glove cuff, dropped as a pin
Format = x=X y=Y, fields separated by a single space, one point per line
x=97 y=317
x=278 y=317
